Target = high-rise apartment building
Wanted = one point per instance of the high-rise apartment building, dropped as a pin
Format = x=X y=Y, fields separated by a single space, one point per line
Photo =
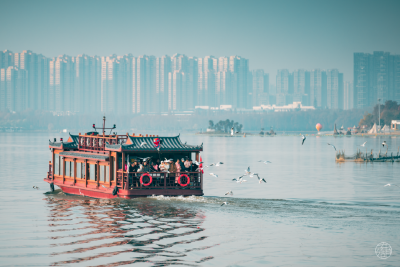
x=61 y=84
x=282 y=87
x=6 y=59
x=396 y=78
x=87 y=86
x=163 y=68
x=334 y=89
x=301 y=83
x=13 y=88
x=37 y=67
x=260 y=85
x=348 y=95
x=318 y=88
x=144 y=84
x=240 y=67
x=375 y=78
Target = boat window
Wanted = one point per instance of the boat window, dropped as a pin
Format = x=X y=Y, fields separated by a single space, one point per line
x=115 y=168
x=107 y=174
x=92 y=170
x=72 y=169
x=67 y=168
x=61 y=166
x=119 y=161
x=102 y=173
x=79 y=170
x=83 y=171
x=56 y=164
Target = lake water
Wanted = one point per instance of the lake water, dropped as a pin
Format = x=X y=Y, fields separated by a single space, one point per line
x=312 y=212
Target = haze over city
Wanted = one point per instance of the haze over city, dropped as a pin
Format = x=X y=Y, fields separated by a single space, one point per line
x=271 y=34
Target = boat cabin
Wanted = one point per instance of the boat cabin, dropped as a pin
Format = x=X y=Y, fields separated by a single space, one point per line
x=103 y=166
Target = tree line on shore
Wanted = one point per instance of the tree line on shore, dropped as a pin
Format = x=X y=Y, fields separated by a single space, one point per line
x=388 y=112
x=242 y=122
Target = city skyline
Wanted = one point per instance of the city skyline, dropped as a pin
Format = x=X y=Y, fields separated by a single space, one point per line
x=149 y=84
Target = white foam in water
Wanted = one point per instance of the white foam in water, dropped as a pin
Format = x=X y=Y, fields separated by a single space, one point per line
x=184 y=199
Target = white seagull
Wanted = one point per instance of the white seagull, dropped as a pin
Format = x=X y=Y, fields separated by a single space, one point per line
x=260 y=179
x=391 y=185
x=229 y=193
x=363 y=144
x=384 y=143
x=332 y=146
x=35 y=187
x=247 y=172
x=304 y=139
x=142 y=144
x=237 y=179
x=225 y=203
x=241 y=180
x=218 y=164
x=212 y=174
x=265 y=161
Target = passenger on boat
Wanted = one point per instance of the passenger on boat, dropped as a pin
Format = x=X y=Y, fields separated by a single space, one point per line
x=145 y=167
x=162 y=166
x=182 y=163
x=172 y=171
x=193 y=167
x=178 y=170
x=154 y=167
x=133 y=169
x=187 y=165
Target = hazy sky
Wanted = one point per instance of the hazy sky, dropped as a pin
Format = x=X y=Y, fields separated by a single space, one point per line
x=272 y=34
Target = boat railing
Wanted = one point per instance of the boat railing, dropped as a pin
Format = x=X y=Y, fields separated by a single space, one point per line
x=98 y=142
x=160 y=180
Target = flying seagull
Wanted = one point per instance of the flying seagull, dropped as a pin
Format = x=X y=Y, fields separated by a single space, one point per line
x=212 y=174
x=265 y=161
x=332 y=146
x=237 y=179
x=247 y=172
x=363 y=144
x=225 y=203
x=229 y=193
x=35 y=187
x=384 y=143
x=241 y=180
x=142 y=144
x=218 y=164
x=391 y=185
x=304 y=139
x=260 y=179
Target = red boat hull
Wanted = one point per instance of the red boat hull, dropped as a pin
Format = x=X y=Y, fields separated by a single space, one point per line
x=128 y=194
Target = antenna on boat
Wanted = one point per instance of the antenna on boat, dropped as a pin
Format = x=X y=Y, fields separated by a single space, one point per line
x=104 y=126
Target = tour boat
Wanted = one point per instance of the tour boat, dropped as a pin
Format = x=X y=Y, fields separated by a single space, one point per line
x=97 y=165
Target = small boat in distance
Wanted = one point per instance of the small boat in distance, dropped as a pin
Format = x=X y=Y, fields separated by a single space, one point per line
x=97 y=165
